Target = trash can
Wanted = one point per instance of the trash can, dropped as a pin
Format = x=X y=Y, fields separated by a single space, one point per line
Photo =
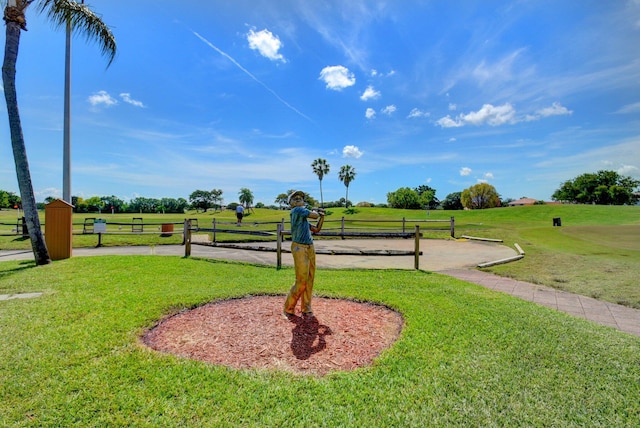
x=167 y=229
x=557 y=221
x=58 y=229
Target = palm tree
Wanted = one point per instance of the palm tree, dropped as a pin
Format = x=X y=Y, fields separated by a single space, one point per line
x=245 y=196
x=320 y=168
x=347 y=174
x=60 y=12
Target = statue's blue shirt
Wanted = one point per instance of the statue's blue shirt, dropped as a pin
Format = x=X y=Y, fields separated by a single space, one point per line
x=300 y=231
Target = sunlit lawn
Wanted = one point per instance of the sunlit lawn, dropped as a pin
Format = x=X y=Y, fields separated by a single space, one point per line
x=467 y=356
x=595 y=252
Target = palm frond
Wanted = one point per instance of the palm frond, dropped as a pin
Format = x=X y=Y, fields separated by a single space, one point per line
x=83 y=19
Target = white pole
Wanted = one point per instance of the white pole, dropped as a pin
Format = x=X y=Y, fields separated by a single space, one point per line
x=66 y=135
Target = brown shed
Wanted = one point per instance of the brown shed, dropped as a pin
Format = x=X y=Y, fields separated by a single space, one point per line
x=58 y=221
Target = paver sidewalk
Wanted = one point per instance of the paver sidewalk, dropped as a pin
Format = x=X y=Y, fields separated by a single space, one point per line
x=19 y=296
x=617 y=316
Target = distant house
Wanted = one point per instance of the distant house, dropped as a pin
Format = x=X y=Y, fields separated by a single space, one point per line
x=523 y=201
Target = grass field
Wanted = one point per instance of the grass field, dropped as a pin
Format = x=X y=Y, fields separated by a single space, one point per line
x=596 y=251
x=467 y=356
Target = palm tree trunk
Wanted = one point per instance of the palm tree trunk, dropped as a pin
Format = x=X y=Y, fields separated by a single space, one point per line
x=321 y=198
x=12 y=42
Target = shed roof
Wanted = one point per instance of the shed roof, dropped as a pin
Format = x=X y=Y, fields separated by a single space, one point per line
x=523 y=201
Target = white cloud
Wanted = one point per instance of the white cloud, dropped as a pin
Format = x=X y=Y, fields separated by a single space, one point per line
x=499 y=71
x=452 y=107
x=555 y=110
x=370 y=113
x=452 y=140
x=102 y=98
x=447 y=122
x=629 y=170
x=488 y=176
x=266 y=43
x=126 y=97
x=237 y=64
x=417 y=113
x=337 y=77
x=351 y=152
x=388 y=110
x=620 y=157
x=494 y=116
x=369 y=94
x=376 y=73
x=489 y=114
x=465 y=171
x=629 y=108
x=500 y=115
x=48 y=192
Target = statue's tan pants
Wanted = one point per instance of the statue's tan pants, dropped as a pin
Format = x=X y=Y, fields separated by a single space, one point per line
x=304 y=260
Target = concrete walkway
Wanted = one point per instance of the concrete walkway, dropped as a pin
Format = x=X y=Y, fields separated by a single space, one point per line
x=457 y=258
x=620 y=317
x=19 y=296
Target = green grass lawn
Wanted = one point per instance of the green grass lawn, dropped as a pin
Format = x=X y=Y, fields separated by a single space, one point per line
x=595 y=252
x=467 y=356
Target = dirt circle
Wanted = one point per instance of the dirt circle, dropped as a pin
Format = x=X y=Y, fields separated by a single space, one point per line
x=250 y=332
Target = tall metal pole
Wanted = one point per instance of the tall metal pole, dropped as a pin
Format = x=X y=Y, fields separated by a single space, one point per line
x=66 y=137
x=66 y=150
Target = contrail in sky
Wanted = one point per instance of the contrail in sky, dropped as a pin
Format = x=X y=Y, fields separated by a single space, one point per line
x=224 y=54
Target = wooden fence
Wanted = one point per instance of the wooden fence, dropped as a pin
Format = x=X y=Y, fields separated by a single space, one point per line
x=342 y=228
x=281 y=233
x=18 y=227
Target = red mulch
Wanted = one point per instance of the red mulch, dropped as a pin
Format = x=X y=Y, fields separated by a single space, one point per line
x=250 y=332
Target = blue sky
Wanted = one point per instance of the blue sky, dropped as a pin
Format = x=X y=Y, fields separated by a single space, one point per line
x=522 y=94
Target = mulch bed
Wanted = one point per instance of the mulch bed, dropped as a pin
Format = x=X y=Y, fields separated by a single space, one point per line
x=250 y=332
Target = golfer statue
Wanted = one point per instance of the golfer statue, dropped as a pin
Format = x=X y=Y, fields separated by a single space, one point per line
x=304 y=254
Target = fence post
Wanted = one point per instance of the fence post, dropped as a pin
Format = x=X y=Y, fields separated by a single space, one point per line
x=279 y=247
x=21 y=227
x=213 y=238
x=453 y=228
x=342 y=228
x=416 y=263
x=187 y=238
x=404 y=220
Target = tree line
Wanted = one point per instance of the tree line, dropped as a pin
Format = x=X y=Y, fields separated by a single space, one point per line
x=479 y=196
x=603 y=187
x=482 y=195
x=9 y=200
